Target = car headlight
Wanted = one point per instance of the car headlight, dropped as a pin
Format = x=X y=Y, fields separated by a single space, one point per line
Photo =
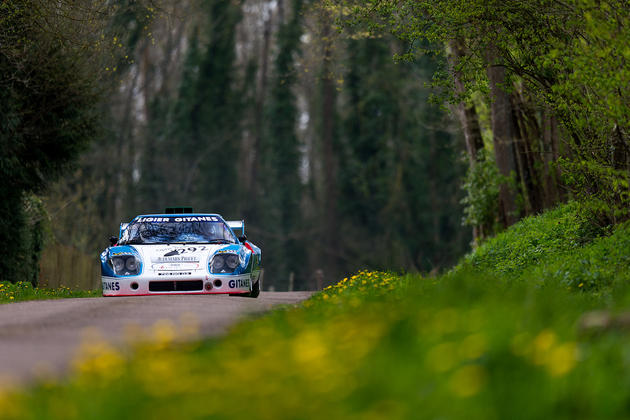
x=131 y=264
x=218 y=262
x=223 y=263
x=231 y=261
x=118 y=264
x=126 y=265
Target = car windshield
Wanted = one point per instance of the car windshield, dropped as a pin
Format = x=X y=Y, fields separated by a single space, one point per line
x=160 y=230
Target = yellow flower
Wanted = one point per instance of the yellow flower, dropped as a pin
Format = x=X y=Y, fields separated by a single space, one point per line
x=468 y=381
x=309 y=348
x=561 y=359
x=581 y=284
x=542 y=344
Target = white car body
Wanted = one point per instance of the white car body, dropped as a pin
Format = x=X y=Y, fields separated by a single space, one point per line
x=181 y=268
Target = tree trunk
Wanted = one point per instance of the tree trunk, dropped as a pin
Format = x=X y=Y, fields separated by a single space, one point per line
x=551 y=176
x=527 y=153
x=503 y=138
x=252 y=187
x=329 y=161
x=467 y=116
x=465 y=111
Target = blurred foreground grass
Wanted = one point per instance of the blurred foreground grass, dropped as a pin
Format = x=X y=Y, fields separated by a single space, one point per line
x=16 y=292
x=504 y=335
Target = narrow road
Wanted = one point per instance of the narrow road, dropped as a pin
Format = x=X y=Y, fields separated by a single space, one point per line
x=42 y=337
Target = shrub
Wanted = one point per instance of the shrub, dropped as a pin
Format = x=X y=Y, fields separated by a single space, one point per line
x=533 y=240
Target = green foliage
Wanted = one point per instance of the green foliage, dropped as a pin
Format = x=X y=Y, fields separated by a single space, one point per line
x=603 y=189
x=481 y=203
x=476 y=343
x=598 y=267
x=33 y=238
x=535 y=240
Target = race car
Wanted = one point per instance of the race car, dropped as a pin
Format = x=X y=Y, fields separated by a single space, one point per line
x=181 y=252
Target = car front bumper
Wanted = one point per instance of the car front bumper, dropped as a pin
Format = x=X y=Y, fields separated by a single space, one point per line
x=168 y=285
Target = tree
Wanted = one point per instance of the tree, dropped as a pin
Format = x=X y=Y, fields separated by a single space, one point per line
x=280 y=146
x=563 y=60
x=48 y=98
x=398 y=181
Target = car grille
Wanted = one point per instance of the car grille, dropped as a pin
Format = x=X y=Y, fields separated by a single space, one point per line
x=175 y=286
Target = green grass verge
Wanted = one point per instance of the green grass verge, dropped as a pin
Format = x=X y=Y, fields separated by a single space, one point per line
x=498 y=337
x=20 y=291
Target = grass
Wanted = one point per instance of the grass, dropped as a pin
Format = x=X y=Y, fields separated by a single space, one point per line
x=503 y=335
x=21 y=291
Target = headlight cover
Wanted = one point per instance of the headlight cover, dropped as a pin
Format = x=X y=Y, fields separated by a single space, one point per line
x=224 y=263
x=231 y=261
x=125 y=265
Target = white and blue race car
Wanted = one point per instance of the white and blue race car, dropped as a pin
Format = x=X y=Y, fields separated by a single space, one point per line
x=180 y=252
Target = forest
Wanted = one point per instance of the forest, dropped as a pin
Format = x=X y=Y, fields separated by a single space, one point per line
x=371 y=134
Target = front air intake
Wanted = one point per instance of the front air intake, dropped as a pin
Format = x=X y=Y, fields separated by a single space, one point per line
x=176 y=286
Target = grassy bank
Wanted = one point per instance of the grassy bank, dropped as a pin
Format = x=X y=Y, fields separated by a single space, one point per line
x=509 y=333
x=20 y=291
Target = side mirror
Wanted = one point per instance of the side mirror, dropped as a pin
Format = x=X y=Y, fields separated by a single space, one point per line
x=242 y=238
x=113 y=240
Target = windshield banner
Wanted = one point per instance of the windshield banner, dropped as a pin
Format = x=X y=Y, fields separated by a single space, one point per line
x=177 y=219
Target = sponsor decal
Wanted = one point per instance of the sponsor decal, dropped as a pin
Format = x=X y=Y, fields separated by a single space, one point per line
x=115 y=254
x=180 y=251
x=175 y=273
x=111 y=285
x=177 y=259
x=233 y=284
x=178 y=219
x=197 y=219
x=154 y=219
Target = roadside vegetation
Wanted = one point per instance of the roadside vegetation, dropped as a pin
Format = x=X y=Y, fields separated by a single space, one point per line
x=528 y=326
x=20 y=291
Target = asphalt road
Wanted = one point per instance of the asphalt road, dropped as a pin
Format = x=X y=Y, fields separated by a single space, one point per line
x=40 y=338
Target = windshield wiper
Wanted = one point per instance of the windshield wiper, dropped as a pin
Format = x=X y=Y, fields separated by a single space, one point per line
x=132 y=242
x=141 y=242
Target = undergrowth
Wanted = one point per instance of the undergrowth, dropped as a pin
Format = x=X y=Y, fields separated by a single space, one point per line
x=535 y=240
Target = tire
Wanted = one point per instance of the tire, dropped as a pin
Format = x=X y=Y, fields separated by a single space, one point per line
x=255 y=290
x=253 y=294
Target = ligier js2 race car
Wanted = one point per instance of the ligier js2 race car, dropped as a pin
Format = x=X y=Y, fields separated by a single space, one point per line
x=181 y=253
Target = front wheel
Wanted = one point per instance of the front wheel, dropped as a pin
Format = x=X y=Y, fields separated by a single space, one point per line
x=253 y=294
x=255 y=290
